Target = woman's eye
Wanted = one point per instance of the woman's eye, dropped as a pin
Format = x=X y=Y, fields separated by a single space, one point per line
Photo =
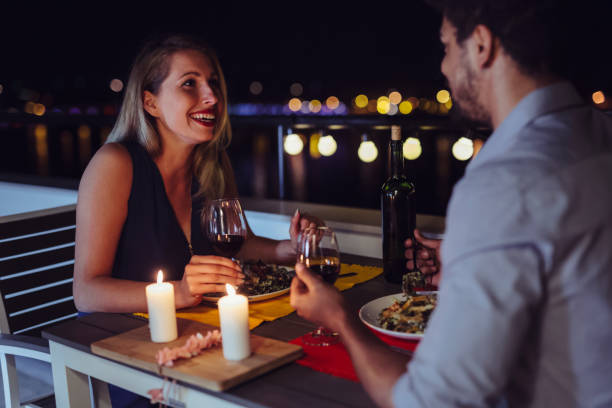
x=189 y=82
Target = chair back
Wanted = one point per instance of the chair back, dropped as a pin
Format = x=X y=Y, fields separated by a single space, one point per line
x=36 y=270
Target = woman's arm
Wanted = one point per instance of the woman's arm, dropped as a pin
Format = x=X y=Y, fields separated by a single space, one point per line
x=101 y=212
x=102 y=209
x=265 y=249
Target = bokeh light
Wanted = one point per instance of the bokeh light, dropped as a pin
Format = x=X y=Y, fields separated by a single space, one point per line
x=405 y=107
x=367 y=151
x=463 y=149
x=332 y=102
x=361 y=101
x=395 y=97
x=255 y=88
x=84 y=132
x=382 y=105
x=39 y=109
x=392 y=109
x=443 y=96
x=327 y=145
x=305 y=107
x=116 y=85
x=296 y=89
x=293 y=144
x=412 y=148
x=315 y=106
x=599 y=97
x=295 y=104
x=40 y=131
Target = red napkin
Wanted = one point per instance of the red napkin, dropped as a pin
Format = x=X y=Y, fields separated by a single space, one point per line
x=335 y=360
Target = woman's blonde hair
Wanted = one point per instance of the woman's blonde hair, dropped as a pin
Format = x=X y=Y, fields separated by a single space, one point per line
x=150 y=69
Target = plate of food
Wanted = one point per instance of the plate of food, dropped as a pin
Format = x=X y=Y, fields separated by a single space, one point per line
x=262 y=281
x=400 y=316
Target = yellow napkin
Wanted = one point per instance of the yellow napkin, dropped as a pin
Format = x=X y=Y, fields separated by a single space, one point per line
x=275 y=308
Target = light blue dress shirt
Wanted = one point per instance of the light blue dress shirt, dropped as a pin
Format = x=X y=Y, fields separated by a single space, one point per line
x=525 y=304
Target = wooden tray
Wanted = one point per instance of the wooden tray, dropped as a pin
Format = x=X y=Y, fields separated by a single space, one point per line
x=208 y=370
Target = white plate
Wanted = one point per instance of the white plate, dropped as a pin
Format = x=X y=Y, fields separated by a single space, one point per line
x=370 y=311
x=254 y=298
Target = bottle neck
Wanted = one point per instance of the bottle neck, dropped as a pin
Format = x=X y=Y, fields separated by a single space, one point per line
x=397 y=158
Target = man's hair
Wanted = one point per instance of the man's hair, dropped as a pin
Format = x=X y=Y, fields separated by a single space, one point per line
x=534 y=33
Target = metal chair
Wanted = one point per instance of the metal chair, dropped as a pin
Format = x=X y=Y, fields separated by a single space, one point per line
x=36 y=270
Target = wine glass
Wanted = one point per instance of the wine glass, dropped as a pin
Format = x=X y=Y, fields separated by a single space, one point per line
x=318 y=251
x=225 y=226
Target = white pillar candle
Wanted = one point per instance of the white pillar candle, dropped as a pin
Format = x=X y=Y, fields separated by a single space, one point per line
x=162 y=311
x=234 y=316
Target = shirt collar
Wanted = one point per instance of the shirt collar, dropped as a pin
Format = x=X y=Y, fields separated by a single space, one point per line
x=544 y=100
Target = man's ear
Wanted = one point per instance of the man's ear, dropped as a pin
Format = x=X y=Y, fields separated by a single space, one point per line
x=150 y=104
x=486 y=46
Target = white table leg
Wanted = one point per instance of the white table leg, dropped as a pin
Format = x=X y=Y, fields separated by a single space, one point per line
x=100 y=393
x=72 y=362
x=9 y=378
x=71 y=387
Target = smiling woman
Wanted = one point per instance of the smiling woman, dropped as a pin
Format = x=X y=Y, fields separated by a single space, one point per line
x=142 y=194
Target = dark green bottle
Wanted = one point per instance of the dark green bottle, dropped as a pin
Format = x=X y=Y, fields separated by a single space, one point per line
x=398 y=212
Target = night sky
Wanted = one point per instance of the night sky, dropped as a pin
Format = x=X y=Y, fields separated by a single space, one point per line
x=73 y=52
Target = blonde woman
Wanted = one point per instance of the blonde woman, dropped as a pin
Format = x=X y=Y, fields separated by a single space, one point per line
x=140 y=196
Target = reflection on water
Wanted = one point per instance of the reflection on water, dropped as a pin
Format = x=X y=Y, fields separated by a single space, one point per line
x=63 y=150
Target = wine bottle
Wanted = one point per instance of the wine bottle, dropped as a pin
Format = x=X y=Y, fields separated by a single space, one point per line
x=398 y=212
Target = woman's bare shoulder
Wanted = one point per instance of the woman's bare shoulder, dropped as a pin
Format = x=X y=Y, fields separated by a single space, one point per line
x=110 y=167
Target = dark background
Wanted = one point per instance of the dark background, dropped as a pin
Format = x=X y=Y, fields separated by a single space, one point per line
x=65 y=54
x=73 y=51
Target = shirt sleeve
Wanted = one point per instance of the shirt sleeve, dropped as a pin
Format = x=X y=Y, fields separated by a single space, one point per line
x=486 y=303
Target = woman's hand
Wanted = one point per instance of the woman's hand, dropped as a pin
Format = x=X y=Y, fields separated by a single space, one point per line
x=299 y=222
x=427 y=256
x=206 y=274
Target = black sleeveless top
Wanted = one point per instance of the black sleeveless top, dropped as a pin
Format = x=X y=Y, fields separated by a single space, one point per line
x=152 y=238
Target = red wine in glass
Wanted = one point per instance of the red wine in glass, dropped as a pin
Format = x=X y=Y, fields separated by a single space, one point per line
x=328 y=268
x=224 y=224
x=318 y=251
x=228 y=245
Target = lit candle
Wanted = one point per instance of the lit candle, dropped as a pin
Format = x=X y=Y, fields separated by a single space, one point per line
x=234 y=316
x=162 y=312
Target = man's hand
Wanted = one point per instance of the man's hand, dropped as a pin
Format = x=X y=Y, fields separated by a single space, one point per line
x=316 y=300
x=427 y=256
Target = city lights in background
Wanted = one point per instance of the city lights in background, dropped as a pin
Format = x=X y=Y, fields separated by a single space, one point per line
x=405 y=107
x=367 y=152
x=296 y=89
x=412 y=148
x=332 y=102
x=443 y=96
x=255 y=88
x=293 y=144
x=315 y=106
x=361 y=101
x=116 y=85
x=327 y=145
x=599 y=97
x=463 y=149
x=395 y=97
x=295 y=104
x=383 y=105
x=39 y=109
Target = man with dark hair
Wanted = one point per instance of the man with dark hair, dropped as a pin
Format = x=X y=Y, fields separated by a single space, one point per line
x=525 y=304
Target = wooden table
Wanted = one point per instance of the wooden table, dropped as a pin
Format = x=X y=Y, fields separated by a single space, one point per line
x=289 y=386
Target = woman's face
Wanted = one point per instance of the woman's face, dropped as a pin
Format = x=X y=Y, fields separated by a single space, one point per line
x=186 y=106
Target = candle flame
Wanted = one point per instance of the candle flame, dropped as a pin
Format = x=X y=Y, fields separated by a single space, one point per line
x=160 y=276
x=230 y=289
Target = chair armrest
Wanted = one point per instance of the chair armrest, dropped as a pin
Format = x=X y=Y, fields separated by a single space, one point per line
x=26 y=346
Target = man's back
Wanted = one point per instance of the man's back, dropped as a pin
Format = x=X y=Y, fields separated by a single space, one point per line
x=526 y=298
